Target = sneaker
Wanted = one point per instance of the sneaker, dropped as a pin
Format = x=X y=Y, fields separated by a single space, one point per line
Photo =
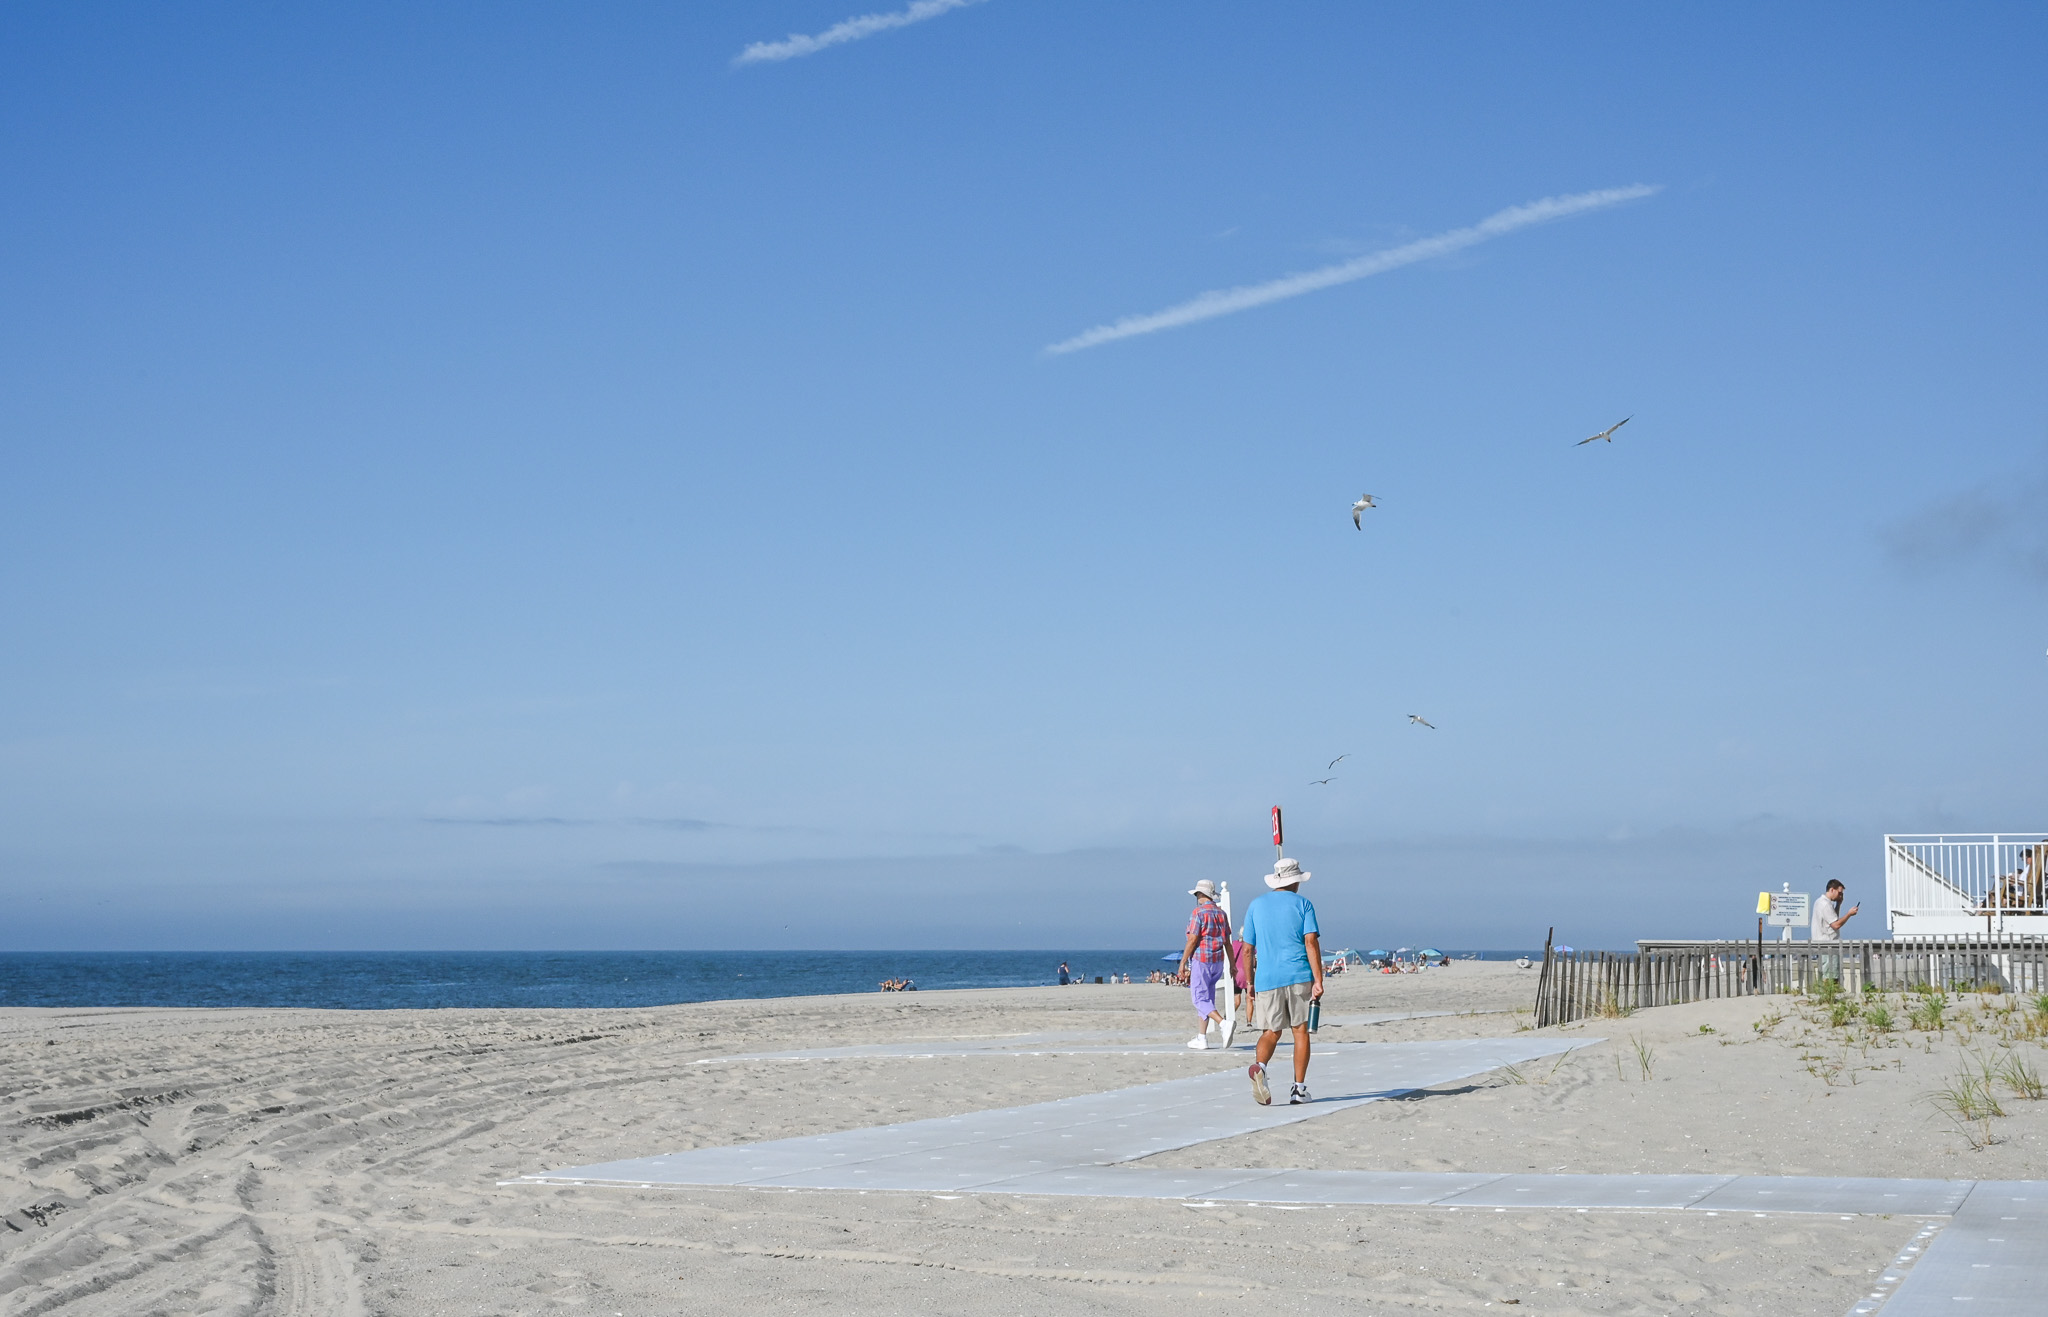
x=1200 y=1042
x=1298 y=1094
x=1228 y=1027
x=1260 y=1093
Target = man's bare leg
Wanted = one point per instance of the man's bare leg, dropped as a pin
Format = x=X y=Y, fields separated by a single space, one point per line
x=1300 y=1052
x=1267 y=1042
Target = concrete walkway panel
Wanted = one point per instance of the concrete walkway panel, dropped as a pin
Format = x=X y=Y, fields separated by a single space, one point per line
x=1773 y=1193
x=1987 y=1262
x=1379 y=1188
x=1589 y=1191
x=1129 y=1182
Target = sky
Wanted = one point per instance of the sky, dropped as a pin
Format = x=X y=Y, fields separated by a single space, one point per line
x=797 y=475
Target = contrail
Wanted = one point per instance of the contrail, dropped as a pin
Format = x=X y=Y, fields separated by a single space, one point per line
x=853 y=29
x=1224 y=301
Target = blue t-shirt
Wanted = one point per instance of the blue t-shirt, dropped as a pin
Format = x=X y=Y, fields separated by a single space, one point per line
x=1276 y=923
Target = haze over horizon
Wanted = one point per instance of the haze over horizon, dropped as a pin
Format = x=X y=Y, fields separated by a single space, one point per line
x=554 y=478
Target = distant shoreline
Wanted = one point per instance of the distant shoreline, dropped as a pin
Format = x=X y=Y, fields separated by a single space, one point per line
x=540 y=980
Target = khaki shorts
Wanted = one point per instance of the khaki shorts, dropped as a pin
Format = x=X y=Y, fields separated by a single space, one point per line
x=1281 y=1008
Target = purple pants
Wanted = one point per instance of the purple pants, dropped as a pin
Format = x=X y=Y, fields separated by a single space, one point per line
x=1203 y=976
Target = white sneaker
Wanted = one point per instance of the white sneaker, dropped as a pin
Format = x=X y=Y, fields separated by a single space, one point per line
x=1229 y=1027
x=1200 y=1042
x=1298 y=1094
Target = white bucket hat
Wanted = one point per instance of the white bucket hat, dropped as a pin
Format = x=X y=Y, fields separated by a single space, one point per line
x=1286 y=873
x=1206 y=887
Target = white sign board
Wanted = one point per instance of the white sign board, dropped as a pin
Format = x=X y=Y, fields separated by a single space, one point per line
x=1790 y=910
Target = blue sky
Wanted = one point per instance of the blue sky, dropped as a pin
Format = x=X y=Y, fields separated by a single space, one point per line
x=498 y=476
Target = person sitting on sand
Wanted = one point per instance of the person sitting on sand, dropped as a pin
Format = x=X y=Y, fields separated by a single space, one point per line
x=1203 y=962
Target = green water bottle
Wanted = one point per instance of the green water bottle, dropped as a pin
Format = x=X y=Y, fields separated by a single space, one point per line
x=1315 y=1014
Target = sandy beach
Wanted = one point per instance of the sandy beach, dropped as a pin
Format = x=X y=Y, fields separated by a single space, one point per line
x=351 y=1162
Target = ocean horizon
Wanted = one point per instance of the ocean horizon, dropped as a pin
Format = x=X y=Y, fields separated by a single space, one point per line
x=543 y=980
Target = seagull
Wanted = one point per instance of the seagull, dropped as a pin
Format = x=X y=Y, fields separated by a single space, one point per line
x=1418 y=718
x=1364 y=501
x=1322 y=781
x=1607 y=434
x=1334 y=762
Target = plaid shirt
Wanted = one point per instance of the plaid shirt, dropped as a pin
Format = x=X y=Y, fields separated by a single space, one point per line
x=1208 y=923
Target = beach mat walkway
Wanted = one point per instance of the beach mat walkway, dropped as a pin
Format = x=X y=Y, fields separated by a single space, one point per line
x=1012 y=1148
x=1989 y=1254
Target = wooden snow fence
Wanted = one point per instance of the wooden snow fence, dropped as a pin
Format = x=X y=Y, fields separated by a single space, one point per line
x=1578 y=985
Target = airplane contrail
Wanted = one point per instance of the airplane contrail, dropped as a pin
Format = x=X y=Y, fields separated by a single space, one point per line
x=1225 y=301
x=853 y=29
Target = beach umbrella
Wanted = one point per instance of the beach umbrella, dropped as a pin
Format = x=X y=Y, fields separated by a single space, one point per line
x=1377 y=953
x=1432 y=953
x=1172 y=956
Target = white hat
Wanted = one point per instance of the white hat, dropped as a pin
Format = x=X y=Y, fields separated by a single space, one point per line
x=1286 y=873
x=1206 y=887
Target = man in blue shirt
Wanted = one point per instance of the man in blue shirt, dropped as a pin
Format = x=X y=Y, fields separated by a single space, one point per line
x=1285 y=956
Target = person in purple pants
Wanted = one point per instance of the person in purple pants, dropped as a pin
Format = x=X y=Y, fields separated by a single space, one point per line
x=1204 y=961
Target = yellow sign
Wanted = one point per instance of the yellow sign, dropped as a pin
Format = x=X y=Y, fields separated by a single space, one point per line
x=1763 y=903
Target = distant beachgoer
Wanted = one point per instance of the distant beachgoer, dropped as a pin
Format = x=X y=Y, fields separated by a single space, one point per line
x=1284 y=946
x=1242 y=975
x=1828 y=918
x=1203 y=962
x=1064 y=980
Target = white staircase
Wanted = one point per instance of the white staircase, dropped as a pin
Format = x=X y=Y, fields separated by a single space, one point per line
x=1966 y=883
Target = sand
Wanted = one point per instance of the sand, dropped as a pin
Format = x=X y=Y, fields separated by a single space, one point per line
x=311 y=1162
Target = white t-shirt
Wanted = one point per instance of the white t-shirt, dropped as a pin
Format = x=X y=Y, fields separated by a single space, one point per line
x=1825 y=913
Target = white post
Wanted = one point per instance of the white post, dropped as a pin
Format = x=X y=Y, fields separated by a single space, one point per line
x=1229 y=979
x=1996 y=905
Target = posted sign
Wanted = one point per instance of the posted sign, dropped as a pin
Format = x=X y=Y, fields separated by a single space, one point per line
x=1785 y=909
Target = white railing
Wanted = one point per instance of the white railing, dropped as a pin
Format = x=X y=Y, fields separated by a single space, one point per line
x=1944 y=877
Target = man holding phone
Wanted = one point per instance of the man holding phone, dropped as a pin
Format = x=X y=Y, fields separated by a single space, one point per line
x=1828 y=918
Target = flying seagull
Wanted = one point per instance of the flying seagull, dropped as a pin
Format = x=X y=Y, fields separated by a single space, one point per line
x=1418 y=718
x=1607 y=434
x=1364 y=501
x=1334 y=762
x=1322 y=781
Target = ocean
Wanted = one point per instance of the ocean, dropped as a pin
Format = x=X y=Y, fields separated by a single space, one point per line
x=408 y=980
